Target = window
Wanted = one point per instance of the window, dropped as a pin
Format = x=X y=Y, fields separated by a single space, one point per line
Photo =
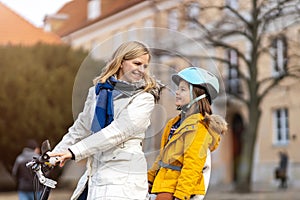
x=94 y=9
x=233 y=4
x=149 y=31
x=279 y=55
x=117 y=40
x=233 y=83
x=195 y=61
x=47 y=27
x=281 y=126
x=95 y=51
x=132 y=33
x=149 y=23
x=173 y=20
x=193 y=13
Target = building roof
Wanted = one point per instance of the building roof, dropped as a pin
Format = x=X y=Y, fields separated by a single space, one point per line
x=76 y=12
x=15 y=30
x=76 y=16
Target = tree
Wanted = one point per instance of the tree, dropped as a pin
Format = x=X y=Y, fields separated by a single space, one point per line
x=256 y=23
x=36 y=95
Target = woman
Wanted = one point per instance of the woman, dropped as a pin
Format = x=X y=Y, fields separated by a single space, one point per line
x=110 y=130
x=179 y=170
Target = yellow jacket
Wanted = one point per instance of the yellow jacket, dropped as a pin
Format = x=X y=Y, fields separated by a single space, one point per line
x=186 y=150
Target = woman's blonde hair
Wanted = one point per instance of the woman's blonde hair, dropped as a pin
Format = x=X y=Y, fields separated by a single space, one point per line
x=126 y=51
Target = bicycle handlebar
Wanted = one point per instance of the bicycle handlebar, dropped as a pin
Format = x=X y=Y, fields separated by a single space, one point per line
x=38 y=165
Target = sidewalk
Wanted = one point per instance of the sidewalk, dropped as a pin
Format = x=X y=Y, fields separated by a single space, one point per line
x=289 y=194
x=213 y=194
x=57 y=194
x=260 y=192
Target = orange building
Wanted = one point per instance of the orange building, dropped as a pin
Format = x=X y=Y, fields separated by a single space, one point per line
x=15 y=30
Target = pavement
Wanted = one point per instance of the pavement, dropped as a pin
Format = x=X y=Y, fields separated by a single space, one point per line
x=57 y=194
x=214 y=193
x=275 y=194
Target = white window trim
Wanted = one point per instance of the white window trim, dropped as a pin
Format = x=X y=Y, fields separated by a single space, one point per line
x=284 y=128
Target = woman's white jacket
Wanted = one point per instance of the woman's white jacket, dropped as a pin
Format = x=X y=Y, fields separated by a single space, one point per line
x=116 y=165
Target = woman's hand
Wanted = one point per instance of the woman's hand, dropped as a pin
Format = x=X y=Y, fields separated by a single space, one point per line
x=61 y=157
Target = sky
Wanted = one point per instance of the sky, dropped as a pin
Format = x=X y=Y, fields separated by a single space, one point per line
x=34 y=11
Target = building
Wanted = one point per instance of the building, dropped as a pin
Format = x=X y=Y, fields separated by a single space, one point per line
x=100 y=26
x=15 y=30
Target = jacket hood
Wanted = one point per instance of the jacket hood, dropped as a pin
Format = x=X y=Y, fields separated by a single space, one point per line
x=217 y=126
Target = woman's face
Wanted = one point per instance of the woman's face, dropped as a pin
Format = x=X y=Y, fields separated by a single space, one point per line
x=182 y=94
x=133 y=70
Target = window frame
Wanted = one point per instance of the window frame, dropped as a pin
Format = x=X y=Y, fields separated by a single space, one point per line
x=232 y=3
x=279 y=48
x=173 y=19
x=233 y=81
x=93 y=9
x=192 y=13
x=281 y=135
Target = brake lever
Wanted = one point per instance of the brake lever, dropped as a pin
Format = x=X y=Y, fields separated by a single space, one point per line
x=36 y=164
x=44 y=180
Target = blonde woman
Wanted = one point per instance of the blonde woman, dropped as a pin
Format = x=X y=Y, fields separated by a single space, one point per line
x=110 y=129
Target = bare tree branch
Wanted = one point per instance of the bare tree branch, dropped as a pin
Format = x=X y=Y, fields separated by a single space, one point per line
x=234 y=32
x=219 y=43
x=237 y=14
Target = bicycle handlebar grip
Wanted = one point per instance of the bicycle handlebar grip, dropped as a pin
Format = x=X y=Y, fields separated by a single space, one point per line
x=54 y=160
x=43 y=158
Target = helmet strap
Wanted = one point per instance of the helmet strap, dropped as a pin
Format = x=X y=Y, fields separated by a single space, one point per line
x=184 y=108
x=192 y=97
x=191 y=91
x=195 y=100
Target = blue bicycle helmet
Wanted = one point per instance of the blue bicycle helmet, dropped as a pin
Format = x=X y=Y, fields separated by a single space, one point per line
x=199 y=77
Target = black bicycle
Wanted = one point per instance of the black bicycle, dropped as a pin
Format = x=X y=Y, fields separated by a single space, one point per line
x=40 y=166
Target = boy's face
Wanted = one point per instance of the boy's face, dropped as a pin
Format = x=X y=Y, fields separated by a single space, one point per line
x=182 y=94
